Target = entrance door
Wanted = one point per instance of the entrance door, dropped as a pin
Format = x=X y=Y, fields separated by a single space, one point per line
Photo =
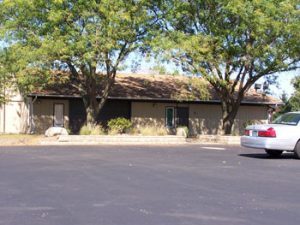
x=170 y=117
x=182 y=119
x=58 y=115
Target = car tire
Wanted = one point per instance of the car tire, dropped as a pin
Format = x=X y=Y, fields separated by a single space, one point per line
x=297 y=150
x=273 y=153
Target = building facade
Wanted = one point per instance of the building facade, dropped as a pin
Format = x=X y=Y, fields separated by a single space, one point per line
x=142 y=99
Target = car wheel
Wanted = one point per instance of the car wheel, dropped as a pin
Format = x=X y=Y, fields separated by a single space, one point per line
x=274 y=153
x=297 y=150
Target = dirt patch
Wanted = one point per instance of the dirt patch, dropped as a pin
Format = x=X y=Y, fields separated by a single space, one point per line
x=22 y=139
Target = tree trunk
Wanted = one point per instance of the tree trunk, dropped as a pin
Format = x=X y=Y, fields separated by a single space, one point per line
x=91 y=108
x=227 y=122
x=90 y=99
x=229 y=112
x=109 y=84
x=92 y=104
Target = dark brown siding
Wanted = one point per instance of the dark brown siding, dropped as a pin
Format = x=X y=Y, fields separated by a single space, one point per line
x=112 y=109
x=77 y=115
x=182 y=116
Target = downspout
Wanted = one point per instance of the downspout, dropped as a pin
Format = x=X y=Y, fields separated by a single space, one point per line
x=32 y=125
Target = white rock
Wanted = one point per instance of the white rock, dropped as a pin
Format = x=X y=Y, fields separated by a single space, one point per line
x=54 y=131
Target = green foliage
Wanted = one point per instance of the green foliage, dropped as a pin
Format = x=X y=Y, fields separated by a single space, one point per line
x=199 y=87
x=6 y=74
x=119 y=125
x=252 y=122
x=160 y=69
x=175 y=73
x=69 y=131
x=232 y=43
x=194 y=88
x=89 y=39
x=91 y=129
x=293 y=103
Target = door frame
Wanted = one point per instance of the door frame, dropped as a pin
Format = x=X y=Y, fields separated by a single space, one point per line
x=63 y=113
x=173 y=119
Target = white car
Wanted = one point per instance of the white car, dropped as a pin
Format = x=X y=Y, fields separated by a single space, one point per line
x=281 y=135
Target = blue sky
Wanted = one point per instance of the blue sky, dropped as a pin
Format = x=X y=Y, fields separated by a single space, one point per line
x=284 y=83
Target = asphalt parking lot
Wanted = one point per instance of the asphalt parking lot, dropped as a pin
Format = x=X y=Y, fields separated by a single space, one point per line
x=147 y=185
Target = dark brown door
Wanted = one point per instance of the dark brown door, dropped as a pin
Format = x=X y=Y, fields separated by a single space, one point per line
x=182 y=117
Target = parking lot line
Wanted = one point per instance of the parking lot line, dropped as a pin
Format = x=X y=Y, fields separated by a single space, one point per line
x=214 y=148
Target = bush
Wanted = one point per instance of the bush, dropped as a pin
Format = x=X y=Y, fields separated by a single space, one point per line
x=182 y=131
x=91 y=129
x=251 y=122
x=119 y=125
x=151 y=131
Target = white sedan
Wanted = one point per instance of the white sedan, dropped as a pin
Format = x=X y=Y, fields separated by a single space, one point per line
x=281 y=135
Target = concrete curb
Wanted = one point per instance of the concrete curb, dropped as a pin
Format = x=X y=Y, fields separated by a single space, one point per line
x=140 y=140
x=217 y=139
x=121 y=140
x=115 y=140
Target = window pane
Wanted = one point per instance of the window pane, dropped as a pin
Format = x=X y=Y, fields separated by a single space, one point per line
x=288 y=119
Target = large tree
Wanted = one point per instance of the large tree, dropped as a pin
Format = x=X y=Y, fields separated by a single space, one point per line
x=232 y=43
x=87 y=38
x=293 y=103
x=6 y=74
x=2 y=77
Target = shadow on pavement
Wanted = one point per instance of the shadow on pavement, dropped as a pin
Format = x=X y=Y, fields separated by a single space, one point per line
x=266 y=156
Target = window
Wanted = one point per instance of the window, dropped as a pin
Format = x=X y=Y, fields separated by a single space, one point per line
x=288 y=119
x=170 y=117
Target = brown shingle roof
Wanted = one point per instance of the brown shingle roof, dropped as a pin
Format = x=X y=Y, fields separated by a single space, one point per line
x=155 y=87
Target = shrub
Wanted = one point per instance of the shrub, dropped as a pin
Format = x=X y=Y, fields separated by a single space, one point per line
x=91 y=129
x=119 y=125
x=182 y=131
x=84 y=130
x=69 y=130
x=251 y=122
x=152 y=131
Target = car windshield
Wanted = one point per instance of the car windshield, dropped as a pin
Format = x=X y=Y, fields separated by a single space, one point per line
x=288 y=119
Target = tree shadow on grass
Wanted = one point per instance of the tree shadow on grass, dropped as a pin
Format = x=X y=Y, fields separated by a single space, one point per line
x=285 y=155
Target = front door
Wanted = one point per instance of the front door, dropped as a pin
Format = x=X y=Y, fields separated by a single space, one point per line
x=170 y=117
x=58 y=115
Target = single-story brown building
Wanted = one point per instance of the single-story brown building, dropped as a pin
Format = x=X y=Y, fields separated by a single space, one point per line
x=159 y=100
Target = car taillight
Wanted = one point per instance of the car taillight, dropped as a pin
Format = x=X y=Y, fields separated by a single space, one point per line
x=247 y=133
x=267 y=133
